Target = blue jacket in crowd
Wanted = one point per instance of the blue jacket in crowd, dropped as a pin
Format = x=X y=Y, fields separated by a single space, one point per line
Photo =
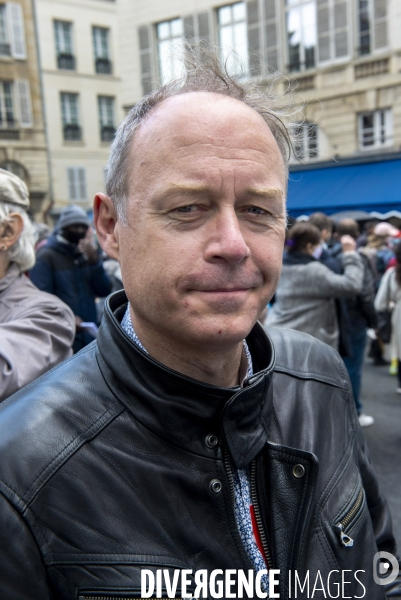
x=62 y=270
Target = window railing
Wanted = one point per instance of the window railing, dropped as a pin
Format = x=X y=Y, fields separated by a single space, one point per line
x=66 y=61
x=107 y=133
x=72 y=132
x=5 y=50
x=103 y=66
x=8 y=123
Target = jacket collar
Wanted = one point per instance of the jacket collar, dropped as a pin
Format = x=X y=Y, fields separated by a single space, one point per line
x=13 y=272
x=181 y=410
x=297 y=258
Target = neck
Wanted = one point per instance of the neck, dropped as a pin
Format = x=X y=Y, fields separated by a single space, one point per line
x=4 y=264
x=214 y=366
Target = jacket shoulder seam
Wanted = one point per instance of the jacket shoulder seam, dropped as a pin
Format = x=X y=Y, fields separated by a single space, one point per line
x=335 y=382
x=23 y=502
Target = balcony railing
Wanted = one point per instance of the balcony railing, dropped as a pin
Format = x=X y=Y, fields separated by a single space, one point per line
x=72 y=132
x=66 y=61
x=5 y=50
x=107 y=133
x=103 y=66
x=372 y=68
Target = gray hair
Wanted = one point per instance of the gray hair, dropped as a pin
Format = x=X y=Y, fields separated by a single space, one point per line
x=204 y=72
x=23 y=251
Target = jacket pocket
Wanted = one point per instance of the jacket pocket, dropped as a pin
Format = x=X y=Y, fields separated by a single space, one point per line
x=346 y=520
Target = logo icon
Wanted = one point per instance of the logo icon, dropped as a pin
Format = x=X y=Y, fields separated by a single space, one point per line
x=385 y=568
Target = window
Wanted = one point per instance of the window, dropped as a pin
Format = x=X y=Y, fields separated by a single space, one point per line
x=106 y=118
x=233 y=35
x=364 y=27
x=100 y=37
x=12 y=32
x=306 y=140
x=7 y=115
x=15 y=105
x=16 y=168
x=76 y=177
x=64 y=50
x=301 y=34
x=170 y=38
x=5 y=49
x=70 y=116
x=372 y=24
x=375 y=129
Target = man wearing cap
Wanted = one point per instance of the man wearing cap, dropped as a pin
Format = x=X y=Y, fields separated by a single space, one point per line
x=69 y=267
x=36 y=329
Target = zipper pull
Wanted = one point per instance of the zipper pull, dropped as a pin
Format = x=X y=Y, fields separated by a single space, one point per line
x=346 y=540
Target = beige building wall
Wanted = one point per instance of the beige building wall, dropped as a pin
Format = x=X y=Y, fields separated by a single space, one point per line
x=333 y=94
x=22 y=137
x=89 y=153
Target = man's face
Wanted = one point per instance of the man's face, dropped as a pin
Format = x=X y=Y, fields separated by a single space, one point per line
x=202 y=248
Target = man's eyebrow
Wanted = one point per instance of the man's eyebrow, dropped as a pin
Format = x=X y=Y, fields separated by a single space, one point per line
x=173 y=188
x=273 y=193
x=194 y=189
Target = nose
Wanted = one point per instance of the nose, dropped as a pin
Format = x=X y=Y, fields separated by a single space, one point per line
x=226 y=241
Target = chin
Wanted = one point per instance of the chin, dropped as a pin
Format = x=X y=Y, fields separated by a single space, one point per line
x=227 y=331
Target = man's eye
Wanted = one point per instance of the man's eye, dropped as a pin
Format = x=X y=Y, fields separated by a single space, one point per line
x=255 y=210
x=187 y=209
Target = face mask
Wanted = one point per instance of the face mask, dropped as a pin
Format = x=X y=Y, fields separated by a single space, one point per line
x=72 y=236
x=317 y=252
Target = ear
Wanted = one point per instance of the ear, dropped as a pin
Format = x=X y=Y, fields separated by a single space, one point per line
x=11 y=230
x=105 y=221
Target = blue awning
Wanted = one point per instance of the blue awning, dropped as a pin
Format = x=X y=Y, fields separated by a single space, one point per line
x=373 y=186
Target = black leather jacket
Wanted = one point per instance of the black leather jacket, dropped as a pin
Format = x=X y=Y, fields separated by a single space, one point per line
x=106 y=468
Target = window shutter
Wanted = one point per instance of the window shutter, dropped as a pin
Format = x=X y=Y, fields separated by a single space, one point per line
x=81 y=183
x=72 y=194
x=76 y=177
x=23 y=97
x=145 y=51
x=271 y=38
x=323 y=30
x=252 y=11
x=380 y=23
x=340 y=29
x=203 y=26
x=189 y=29
x=16 y=30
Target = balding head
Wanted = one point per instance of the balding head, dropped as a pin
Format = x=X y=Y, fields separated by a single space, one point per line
x=348 y=227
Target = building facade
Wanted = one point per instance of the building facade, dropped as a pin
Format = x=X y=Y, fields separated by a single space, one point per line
x=344 y=56
x=79 y=54
x=22 y=134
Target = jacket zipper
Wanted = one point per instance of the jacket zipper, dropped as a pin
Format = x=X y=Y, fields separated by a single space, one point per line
x=345 y=522
x=227 y=464
x=263 y=536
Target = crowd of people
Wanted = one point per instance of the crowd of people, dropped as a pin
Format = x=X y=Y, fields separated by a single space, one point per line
x=335 y=283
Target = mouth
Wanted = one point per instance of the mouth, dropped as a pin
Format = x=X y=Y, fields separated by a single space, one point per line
x=237 y=290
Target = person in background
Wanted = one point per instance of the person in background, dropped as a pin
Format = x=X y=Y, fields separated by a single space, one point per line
x=362 y=316
x=42 y=233
x=368 y=230
x=69 y=266
x=324 y=255
x=379 y=253
x=36 y=329
x=305 y=294
x=389 y=297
